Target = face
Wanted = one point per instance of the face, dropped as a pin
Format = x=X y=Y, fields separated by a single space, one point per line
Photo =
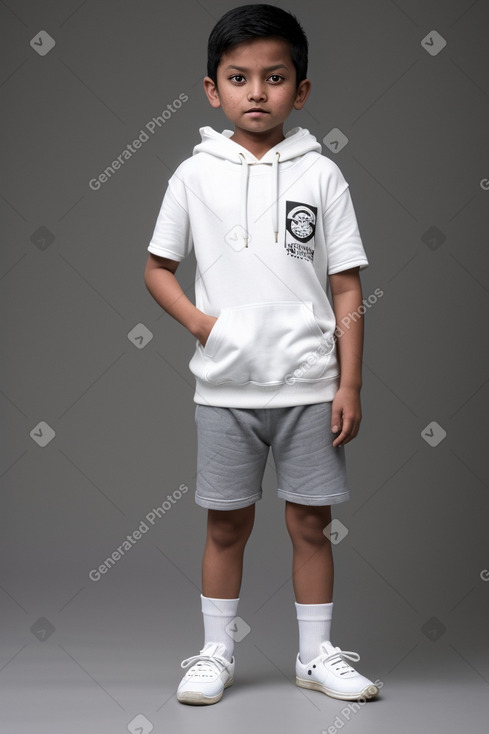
x=256 y=88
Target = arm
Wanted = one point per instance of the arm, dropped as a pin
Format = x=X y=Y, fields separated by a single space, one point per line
x=160 y=280
x=346 y=291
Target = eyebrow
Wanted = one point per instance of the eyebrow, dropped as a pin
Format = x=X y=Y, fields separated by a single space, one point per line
x=269 y=68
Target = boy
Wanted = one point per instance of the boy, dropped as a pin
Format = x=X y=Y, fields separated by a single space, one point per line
x=271 y=221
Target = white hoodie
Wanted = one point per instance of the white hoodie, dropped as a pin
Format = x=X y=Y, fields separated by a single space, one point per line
x=266 y=234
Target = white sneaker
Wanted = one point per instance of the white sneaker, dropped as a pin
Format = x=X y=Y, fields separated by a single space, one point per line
x=332 y=675
x=206 y=680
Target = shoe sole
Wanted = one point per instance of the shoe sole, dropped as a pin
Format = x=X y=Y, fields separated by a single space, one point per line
x=369 y=692
x=197 y=698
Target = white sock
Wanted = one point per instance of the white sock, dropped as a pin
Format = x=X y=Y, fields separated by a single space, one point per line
x=314 y=627
x=218 y=613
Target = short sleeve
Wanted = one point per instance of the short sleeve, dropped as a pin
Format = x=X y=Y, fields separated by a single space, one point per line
x=343 y=242
x=172 y=235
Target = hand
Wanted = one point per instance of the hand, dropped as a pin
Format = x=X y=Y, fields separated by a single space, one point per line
x=205 y=327
x=346 y=415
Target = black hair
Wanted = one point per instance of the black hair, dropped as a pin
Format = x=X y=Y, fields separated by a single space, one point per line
x=257 y=21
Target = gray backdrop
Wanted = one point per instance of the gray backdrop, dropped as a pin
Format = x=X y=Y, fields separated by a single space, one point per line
x=96 y=393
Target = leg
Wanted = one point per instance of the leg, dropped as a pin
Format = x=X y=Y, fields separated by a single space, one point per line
x=312 y=567
x=320 y=666
x=222 y=568
x=222 y=564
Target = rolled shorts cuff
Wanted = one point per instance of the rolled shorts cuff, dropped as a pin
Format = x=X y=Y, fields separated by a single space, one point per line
x=304 y=499
x=234 y=504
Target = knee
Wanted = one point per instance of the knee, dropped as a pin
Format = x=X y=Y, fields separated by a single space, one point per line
x=226 y=529
x=306 y=524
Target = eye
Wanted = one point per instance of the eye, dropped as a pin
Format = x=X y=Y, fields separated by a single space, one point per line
x=275 y=78
x=238 y=78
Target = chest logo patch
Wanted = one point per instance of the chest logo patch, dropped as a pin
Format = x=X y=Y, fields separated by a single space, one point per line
x=300 y=223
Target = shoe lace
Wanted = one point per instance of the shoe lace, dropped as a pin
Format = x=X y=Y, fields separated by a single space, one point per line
x=205 y=663
x=337 y=660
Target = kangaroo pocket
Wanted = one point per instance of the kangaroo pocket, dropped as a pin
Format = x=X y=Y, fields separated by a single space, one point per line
x=264 y=343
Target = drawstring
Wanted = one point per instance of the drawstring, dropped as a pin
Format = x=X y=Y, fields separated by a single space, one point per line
x=244 y=195
x=275 y=194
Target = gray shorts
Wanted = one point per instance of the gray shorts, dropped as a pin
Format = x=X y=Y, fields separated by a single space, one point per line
x=233 y=446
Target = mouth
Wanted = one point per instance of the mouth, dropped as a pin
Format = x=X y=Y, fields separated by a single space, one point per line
x=256 y=111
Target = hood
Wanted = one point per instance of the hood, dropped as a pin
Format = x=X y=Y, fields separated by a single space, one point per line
x=297 y=142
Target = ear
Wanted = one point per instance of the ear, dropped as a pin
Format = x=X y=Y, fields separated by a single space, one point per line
x=211 y=92
x=302 y=94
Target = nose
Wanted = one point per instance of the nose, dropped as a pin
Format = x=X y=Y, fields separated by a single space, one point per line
x=257 y=91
